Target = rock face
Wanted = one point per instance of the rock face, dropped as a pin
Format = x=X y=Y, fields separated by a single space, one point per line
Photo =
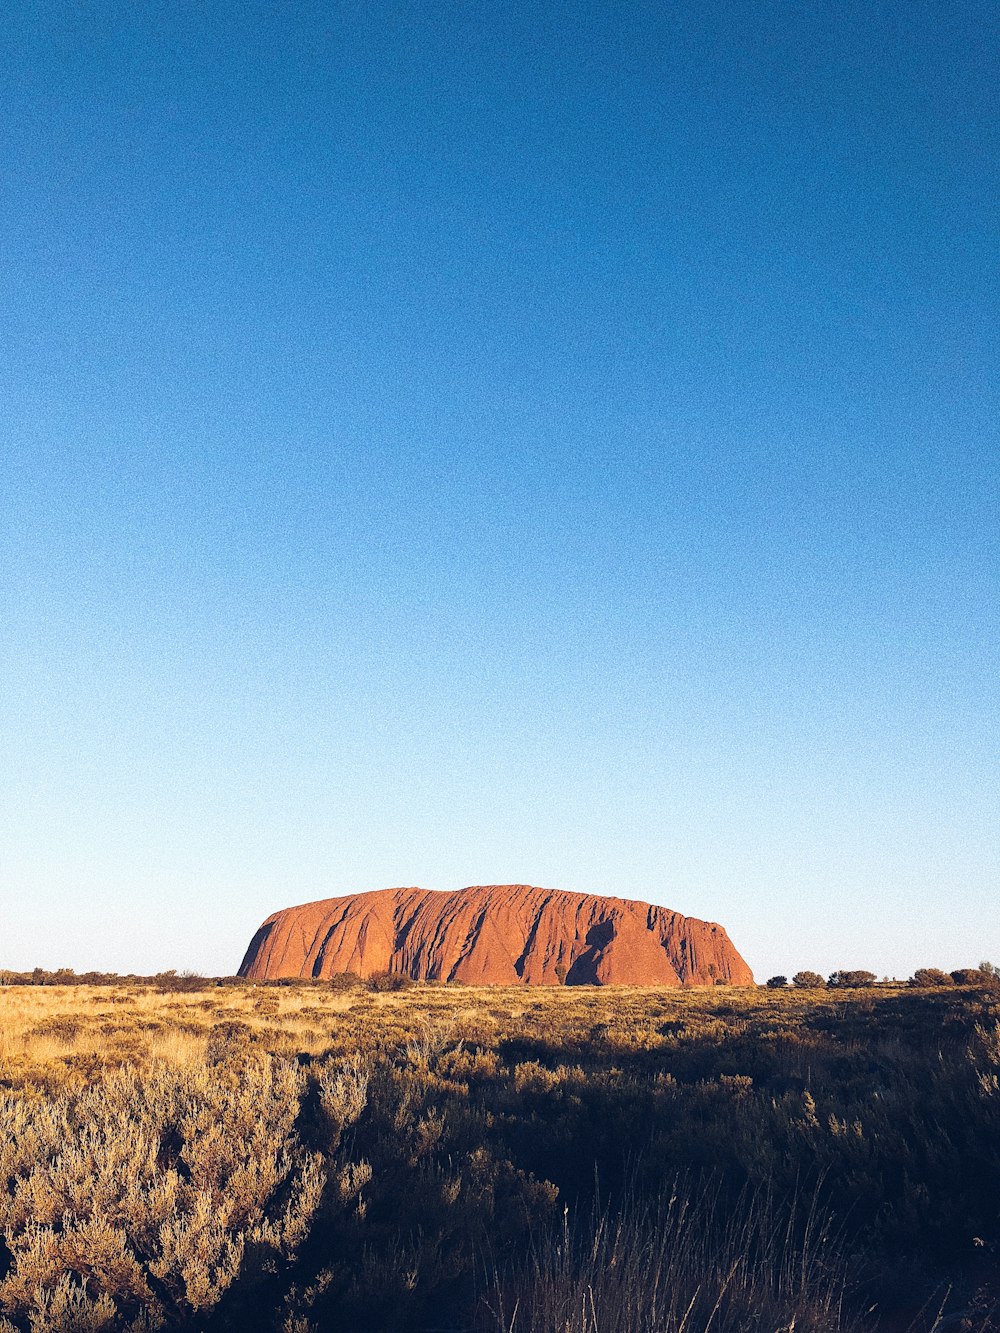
x=499 y=935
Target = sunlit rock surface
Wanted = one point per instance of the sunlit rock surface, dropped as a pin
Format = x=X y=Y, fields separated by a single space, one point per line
x=495 y=935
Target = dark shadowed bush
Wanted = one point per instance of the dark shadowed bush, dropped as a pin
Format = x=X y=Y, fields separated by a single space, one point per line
x=931 y=976
x=382 y=982
x=852 y=979
x=970 y=976
x=343 y=981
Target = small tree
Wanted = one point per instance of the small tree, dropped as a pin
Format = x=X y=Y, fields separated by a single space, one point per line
x=931 y=976
x=851 y=978
x=777 y=983
x=969 y=976
x=808 y=980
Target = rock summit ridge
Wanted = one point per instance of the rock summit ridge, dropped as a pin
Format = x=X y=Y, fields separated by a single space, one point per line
x=495 y=935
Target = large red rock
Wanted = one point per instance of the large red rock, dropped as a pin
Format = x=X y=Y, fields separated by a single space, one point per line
x=499 y=935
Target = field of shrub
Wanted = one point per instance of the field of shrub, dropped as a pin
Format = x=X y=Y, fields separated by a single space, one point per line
x=185 y=1154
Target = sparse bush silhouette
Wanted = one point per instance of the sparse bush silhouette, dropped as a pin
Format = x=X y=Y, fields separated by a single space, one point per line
x=970 y=976
x=931 y=976
x=343 y=981
x=386 y=982
x=808 y=980
x=777 y=983
x=851 y=979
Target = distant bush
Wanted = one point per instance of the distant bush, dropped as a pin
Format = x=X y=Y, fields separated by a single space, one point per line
x=178 y=984
x=975 y=976
x=343 y=981
x=161 y=981
x=64 y=1027
x=777 y=983
x=388 y=981
x=858 y=977
x=229 y=1036
x=931 y=976
x=969 y=976
x=808 y=980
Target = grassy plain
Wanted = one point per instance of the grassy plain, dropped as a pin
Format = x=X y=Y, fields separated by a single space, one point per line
x=306 y=1158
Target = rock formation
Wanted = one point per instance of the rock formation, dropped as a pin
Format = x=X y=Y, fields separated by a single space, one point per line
x=497 y=935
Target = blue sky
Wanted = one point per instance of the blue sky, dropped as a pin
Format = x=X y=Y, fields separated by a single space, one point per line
x=451 y=444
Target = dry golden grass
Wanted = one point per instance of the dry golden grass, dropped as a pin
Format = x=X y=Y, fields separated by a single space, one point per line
x=55 y=1034
x=49 y=1034
x=302 y=1157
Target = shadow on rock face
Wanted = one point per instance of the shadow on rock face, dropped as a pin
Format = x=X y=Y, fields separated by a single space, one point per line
x=584 y=970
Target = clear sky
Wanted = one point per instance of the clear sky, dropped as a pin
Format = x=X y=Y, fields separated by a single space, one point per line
x=455 y=443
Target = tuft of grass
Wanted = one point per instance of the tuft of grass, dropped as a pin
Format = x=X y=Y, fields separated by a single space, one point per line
x=689 y=1261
